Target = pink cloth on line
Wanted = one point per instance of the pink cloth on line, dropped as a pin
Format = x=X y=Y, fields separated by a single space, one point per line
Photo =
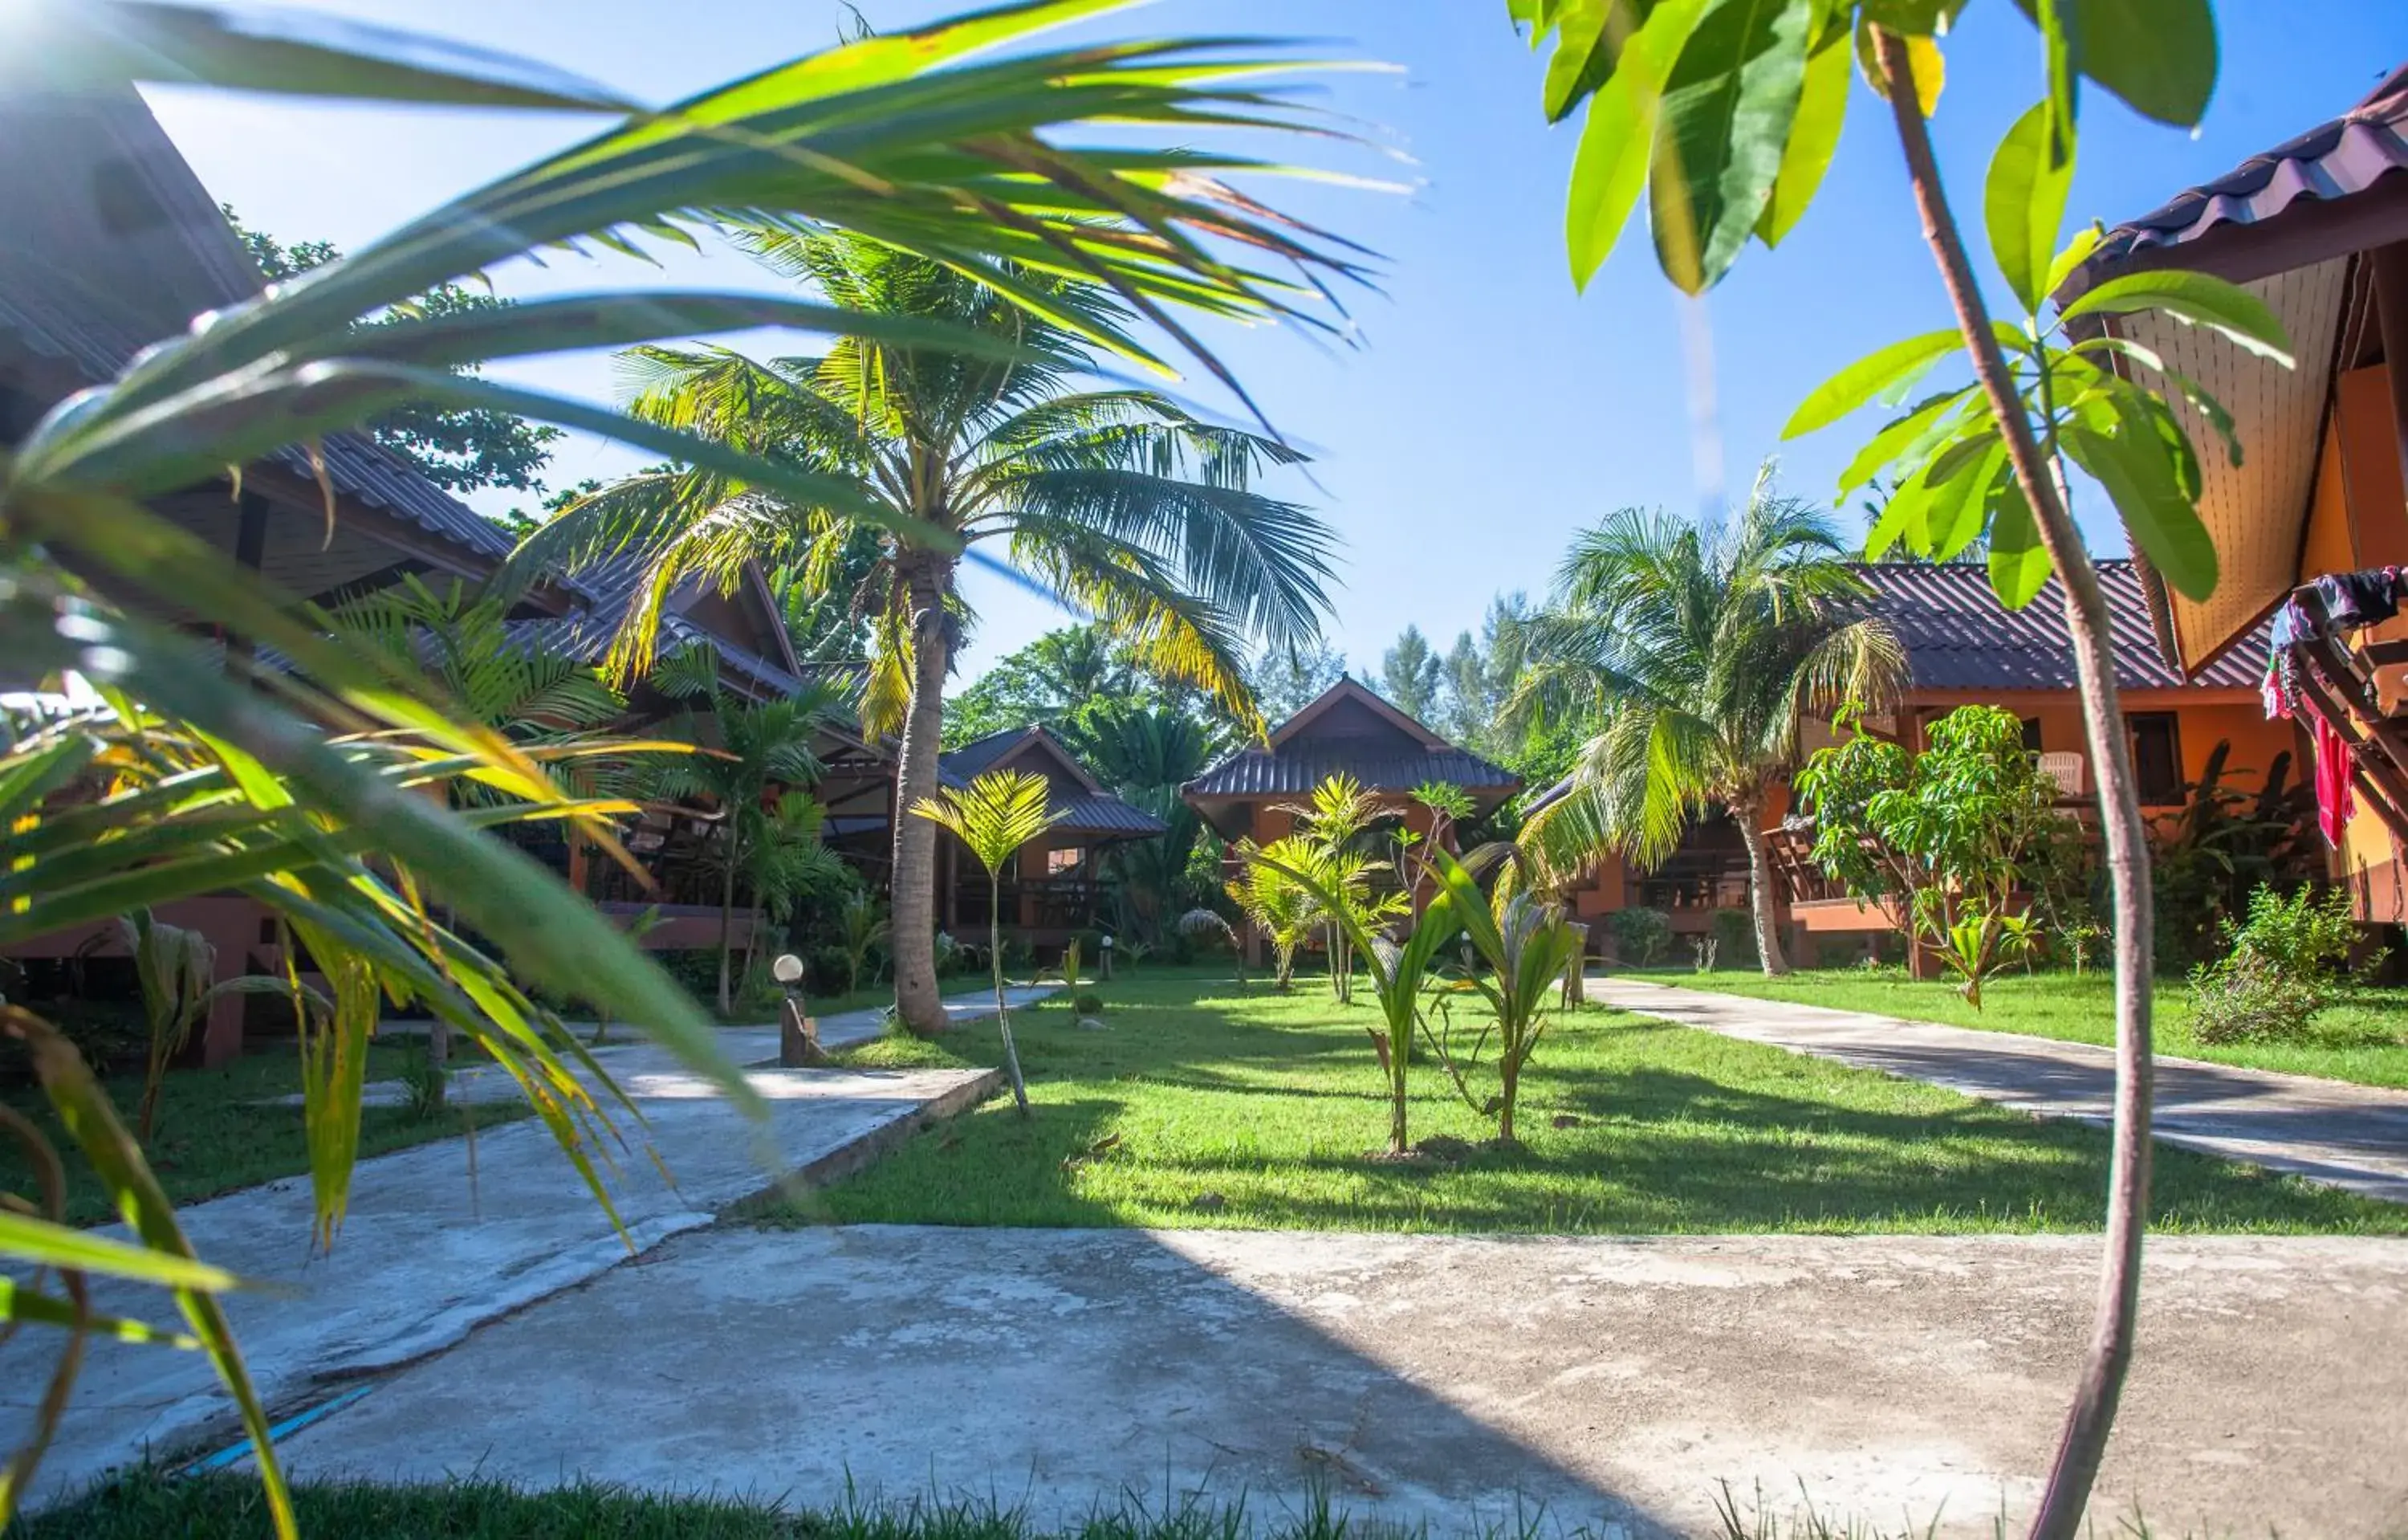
x=2335 y=801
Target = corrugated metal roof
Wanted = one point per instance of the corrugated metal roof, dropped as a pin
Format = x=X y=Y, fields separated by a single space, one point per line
x=2331 y=161
x=973 y=758
x=1075 y=812
x=72 y=290
x=1958 y=637
x=1293 y=769
x=609 y=586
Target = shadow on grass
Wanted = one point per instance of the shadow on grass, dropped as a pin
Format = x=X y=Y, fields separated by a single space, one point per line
x=1257 y=1112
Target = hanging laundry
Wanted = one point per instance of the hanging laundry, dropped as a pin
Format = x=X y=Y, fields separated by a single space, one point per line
x=2280 y=690
x=2335 y=799
x=2353 y=599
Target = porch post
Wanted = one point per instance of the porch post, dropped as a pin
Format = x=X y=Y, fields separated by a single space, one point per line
x=2390 y=271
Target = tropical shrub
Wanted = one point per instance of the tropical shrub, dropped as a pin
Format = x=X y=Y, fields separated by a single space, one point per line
x=1522 y=946
x=2206 y=863
x=2279 y=970
x=1641 y=936
x=1948 y=839
x=994 y=817
x=1734 y=937
x=1088 y=1005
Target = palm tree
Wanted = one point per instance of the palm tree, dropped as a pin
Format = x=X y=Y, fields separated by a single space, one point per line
x=1117 y=500
x=1696 y=656
x=994 y=816
x=1277 y=904
x=746 y=752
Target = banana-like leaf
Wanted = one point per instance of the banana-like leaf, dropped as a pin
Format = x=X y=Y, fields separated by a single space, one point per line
x=1728 y=111
x=2159 y=55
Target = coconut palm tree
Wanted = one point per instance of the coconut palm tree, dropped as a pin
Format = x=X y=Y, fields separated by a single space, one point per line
x=1119 y=500
x=994 y=816
x=1697 y=654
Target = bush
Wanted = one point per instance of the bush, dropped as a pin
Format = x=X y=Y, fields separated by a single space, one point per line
x=1088 y=1005
x=1734 y=935
x=2279 y=969
x=1640 y=936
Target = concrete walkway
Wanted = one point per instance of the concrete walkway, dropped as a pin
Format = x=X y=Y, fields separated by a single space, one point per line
x=445 y=1236
x=2328 y=1130
x=1437 y=1378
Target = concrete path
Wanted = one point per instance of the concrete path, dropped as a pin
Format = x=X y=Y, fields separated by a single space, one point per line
x=2328 y=1130
x=445 y=1236
x=1616 y=1381
x=749 y=1046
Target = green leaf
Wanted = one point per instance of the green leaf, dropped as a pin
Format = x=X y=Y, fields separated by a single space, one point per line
x=20 y=1304
x=2159 y=55
x=2019 y=564
x=1813 y=138
x=1960 y=506
x=2077 y=251
x=1728 y=109
x=2024 y=201
x=2061 y=54
x=2140 y=478
x=37 y=1241
x=1911 y=436
x=2226 y=308
x=90 y=1120
x=1867 y=378
x=1609 y=167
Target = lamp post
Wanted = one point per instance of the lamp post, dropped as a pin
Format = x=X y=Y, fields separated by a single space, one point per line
x=799 y=1035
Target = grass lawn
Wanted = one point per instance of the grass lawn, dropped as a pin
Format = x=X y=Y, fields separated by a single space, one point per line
x=213 y=1136
x=2364 y=1039
x=1200 y=1105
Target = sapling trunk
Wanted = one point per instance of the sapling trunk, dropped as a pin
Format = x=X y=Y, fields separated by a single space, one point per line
x=2092 y=1414
x=727 y=920
x=1002 y=1012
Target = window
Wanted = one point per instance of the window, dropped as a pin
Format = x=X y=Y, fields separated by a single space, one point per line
x=2156 y=756
x=1064 y=861
x=2031 y=733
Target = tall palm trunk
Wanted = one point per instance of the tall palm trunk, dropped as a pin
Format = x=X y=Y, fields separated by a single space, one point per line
x=1002 y=1012
x=1750 y=815
x=726 y=928
x=2092 y=1414
x=917 y=1000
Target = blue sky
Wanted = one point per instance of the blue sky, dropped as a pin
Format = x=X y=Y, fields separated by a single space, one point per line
x=1488 y=410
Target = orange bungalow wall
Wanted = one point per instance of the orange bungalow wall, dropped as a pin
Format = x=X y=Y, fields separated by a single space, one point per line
x=2359 y=518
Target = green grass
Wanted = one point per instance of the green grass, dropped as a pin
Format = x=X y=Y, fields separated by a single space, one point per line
x=1203 y=1106
x=147 y=1504
x=2364 y=1039
x=213 y=1136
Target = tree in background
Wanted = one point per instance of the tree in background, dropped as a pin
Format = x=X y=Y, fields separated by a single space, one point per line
x=1699 y=655
x=1120 y=500
x=1478 y=679
x=464 y=449
x=1410 y=675
x=749 y=752
x=1288 y=679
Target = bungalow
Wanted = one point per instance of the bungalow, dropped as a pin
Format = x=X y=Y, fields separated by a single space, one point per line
x=1051 y=894
x=2312 y=528
x=1962 y=648
x=110 y=243
x=1348 y=729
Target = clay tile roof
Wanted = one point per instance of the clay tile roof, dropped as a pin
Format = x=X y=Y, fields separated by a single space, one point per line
x=1958 y=637
x=2329 y=162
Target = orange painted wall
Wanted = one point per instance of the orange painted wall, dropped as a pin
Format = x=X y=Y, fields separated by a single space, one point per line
x=2369 y=464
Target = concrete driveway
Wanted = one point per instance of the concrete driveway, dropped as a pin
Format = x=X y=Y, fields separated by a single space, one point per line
x=1615 y=1381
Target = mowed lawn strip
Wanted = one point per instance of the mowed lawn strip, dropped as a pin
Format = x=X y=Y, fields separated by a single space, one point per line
x=223 y=1128
x=1201 y=1105
x=2364 y=1039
